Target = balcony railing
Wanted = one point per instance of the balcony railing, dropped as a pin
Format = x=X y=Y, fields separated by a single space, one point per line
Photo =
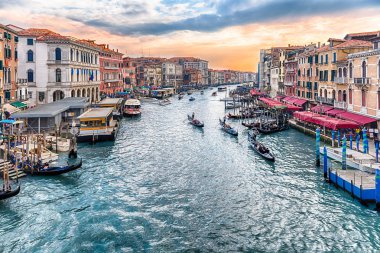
x=324 y=100
x=340 y=105
x=362 y=81
x=7 y=86
x=341 y=80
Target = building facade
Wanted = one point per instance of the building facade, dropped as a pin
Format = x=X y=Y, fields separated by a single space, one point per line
x=8 y=64
x=57 y=66
x=111 y=74
x=172 y=75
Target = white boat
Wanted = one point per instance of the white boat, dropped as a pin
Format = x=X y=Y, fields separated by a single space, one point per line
x=132 y=107
x=165 y=102
x=232 y=105
x=60 y=144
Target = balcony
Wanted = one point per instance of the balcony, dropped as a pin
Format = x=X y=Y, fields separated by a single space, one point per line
x=111 y=80
x=324 y=100
x=340 y=105
x=362 y=81
x=7 y=86
x=287 y=83
x=111 y=67
x=290 y=70
x=341 y=80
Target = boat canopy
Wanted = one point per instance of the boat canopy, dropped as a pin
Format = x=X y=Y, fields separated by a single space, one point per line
x=111 y=101
x=133 y=102
x=325 y=121
x=96 y=114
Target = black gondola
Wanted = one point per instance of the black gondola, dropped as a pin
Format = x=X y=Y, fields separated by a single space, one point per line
x=227 y=128
x=260 y=148
x=54 y=171
x=195 y=122
x=270 y=130
x=9 y=194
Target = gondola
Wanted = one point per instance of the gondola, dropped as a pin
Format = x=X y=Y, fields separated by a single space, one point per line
x=260 y=148
x=195 y=122
x=228 y=129
x=271 y=130
x=54 y=171
x=191 y=99
x=202 y=92
x=9 y=194
x=251 y=125
x=180 y=96
x=214 y=94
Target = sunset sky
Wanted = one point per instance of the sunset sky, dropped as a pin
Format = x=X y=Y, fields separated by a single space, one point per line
x=227 y=33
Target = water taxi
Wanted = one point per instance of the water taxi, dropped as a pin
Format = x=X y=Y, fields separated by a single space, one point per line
x=115 y=103
x=97 y=124
x=132 y=107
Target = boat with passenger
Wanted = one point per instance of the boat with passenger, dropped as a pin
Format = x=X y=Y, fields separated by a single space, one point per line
x=260 y=148
x=132 y=107
x=195 y=122
x=97 y=124
x=227 y=128
x=165 y=102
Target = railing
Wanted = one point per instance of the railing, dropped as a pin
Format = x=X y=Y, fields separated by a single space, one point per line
x=289 y=84
x=324 y=100
x=290 y=70
x=341 y=80
x=111 y=80
x=340 y=104
x=111 y=67
x=362 y=81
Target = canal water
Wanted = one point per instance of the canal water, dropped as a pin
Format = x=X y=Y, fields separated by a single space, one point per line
x=165 y=186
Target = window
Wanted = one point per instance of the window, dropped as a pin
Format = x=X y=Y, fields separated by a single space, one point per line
x=333 y=74
x=321 y=59
x=375 y=45
x=29 y=42
x=316 y=59
x=326 y=58
x=58 y=54
x=58 y=75
x=378 y=70
x=71 y=54
x=364 y=69
x=350 y=70
x=334 y=57
x=30 y=55
x=30 y=75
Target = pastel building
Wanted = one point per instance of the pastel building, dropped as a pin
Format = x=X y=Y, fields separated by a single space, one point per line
x=111 y=76
x=57 y=66
x=8 y=63
x=364 y=81
x=172 y=74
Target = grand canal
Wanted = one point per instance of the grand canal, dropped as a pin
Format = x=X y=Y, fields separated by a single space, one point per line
x=165 y=186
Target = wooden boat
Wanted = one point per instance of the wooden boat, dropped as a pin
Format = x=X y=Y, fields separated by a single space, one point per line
x=269 y=130
x=222 y=88
x=214 y=94
x=232 y=105
x=191 y=98
x=10 y=193
x=53 y=171
x=165 y=102
x=251 y=125
x=195 y=122
x=260 y=148
x=189 y=92
x=132 y=107
x=97 y=124
x=180 y=96
x=240 y=116
x=227 y=128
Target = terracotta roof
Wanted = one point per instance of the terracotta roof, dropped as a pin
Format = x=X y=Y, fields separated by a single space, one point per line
x=362 y=34
x=35 y=32
x=334 y=39
x=354 y=43
x=323 y=48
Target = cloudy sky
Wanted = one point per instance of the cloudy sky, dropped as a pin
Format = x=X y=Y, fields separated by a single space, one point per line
x=228 y=33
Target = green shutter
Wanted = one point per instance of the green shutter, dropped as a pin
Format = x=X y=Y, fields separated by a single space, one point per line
x=16 y=39
x=1 y=65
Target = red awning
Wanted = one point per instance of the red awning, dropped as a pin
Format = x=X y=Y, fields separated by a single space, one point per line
x=334 y=112
x=325 y=121
x=360 y=119
x=256 y=93
x=321 y=108
x=299 y=102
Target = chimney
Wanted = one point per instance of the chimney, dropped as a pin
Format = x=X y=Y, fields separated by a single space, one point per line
x=108 y=46
x=319 y=44
x=288 y=45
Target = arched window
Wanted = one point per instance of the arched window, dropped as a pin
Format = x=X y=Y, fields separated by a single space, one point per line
x=364 y=69
x=344 y=72
x=30 y=55
x=350 y=70
x=73 y=93
x=340 y=72
x=333 y=94
x=344 y=96
x=58 y=75
x=58 y=54
x=340 y=98
x=30 y=75
x=325 y=93
x=77 y=58
x=71 y=54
